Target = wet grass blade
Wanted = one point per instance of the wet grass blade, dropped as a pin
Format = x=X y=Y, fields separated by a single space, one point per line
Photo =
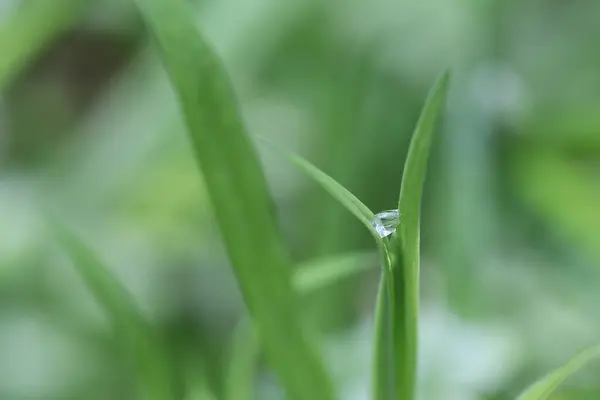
x=158 y=378
x=383 y=360
x=245 y=346
x=239 y=196
x=406 y=268
x=543 y=389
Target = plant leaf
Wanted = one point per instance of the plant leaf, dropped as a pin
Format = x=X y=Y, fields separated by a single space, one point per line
x=337 y=191
x=383 y=368
x=406 y=238
x=317 y=274
x=543 y=389
x=239 y=196
x=158 y=378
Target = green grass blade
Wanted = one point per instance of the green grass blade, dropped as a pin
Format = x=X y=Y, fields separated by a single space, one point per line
x=239 y=196
x=543 y=389
x=314 y=275
x=309 y=277
x=406 y=270
x=33 y=25
x=383 y=362
x=337 y=191
x=158 y=379
x=242 y=360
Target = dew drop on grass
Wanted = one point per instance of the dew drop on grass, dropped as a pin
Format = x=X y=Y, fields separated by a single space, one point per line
x=385 y=222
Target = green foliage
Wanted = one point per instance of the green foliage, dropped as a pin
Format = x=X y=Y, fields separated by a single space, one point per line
x=407 y=235
x=396 y=321
x=245 y=346
x=545 y=387
x=239 y=195
x=158 y=378
x=35 y=24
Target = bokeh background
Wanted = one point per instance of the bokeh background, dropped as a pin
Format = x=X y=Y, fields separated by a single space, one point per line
x=89 y=129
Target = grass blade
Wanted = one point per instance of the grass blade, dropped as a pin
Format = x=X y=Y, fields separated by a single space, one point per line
x=406 y=269
x=543 y=389
x=245 y=348
x=338 y=192
x=239 y=195
x=158 y=379
x=314 y=275
x=383 y=362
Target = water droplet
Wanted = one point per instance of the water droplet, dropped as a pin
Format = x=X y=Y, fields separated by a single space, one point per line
x=385 y=222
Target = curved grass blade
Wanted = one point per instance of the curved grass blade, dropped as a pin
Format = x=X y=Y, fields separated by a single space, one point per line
x=245 y=346
x=337 y=191
x=158 y=378
x=543 y=389
x=383 y=363
x=239 y=196
x=406 y=238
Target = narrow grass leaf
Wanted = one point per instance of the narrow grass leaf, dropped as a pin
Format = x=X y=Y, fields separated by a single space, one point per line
x=242 y=360
x=337 y=191
x=406 y=268
x=245 y=345
x=239 y=196
x=383 y=361
x=158 y=378
x=543 y=389
x=318 y=274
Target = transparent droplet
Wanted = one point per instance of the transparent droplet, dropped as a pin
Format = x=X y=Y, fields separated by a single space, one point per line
x=385 y=222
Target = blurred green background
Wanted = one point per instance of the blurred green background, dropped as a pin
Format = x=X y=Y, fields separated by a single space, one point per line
x=90 y=130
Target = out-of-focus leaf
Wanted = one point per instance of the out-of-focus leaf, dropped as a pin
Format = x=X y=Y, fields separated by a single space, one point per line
x=158 y=377
x=543 y=389
x=561 y=192
x=35 y=24
x=239 y=195
x=314 y=275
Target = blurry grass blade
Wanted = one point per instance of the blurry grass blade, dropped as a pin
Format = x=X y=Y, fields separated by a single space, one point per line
x=157 y=375
x=309 y=277
x=315 y=275
x=33 y=25
x=406 y=269
x=239 y=195
x=240 y=373
x=543 y=389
